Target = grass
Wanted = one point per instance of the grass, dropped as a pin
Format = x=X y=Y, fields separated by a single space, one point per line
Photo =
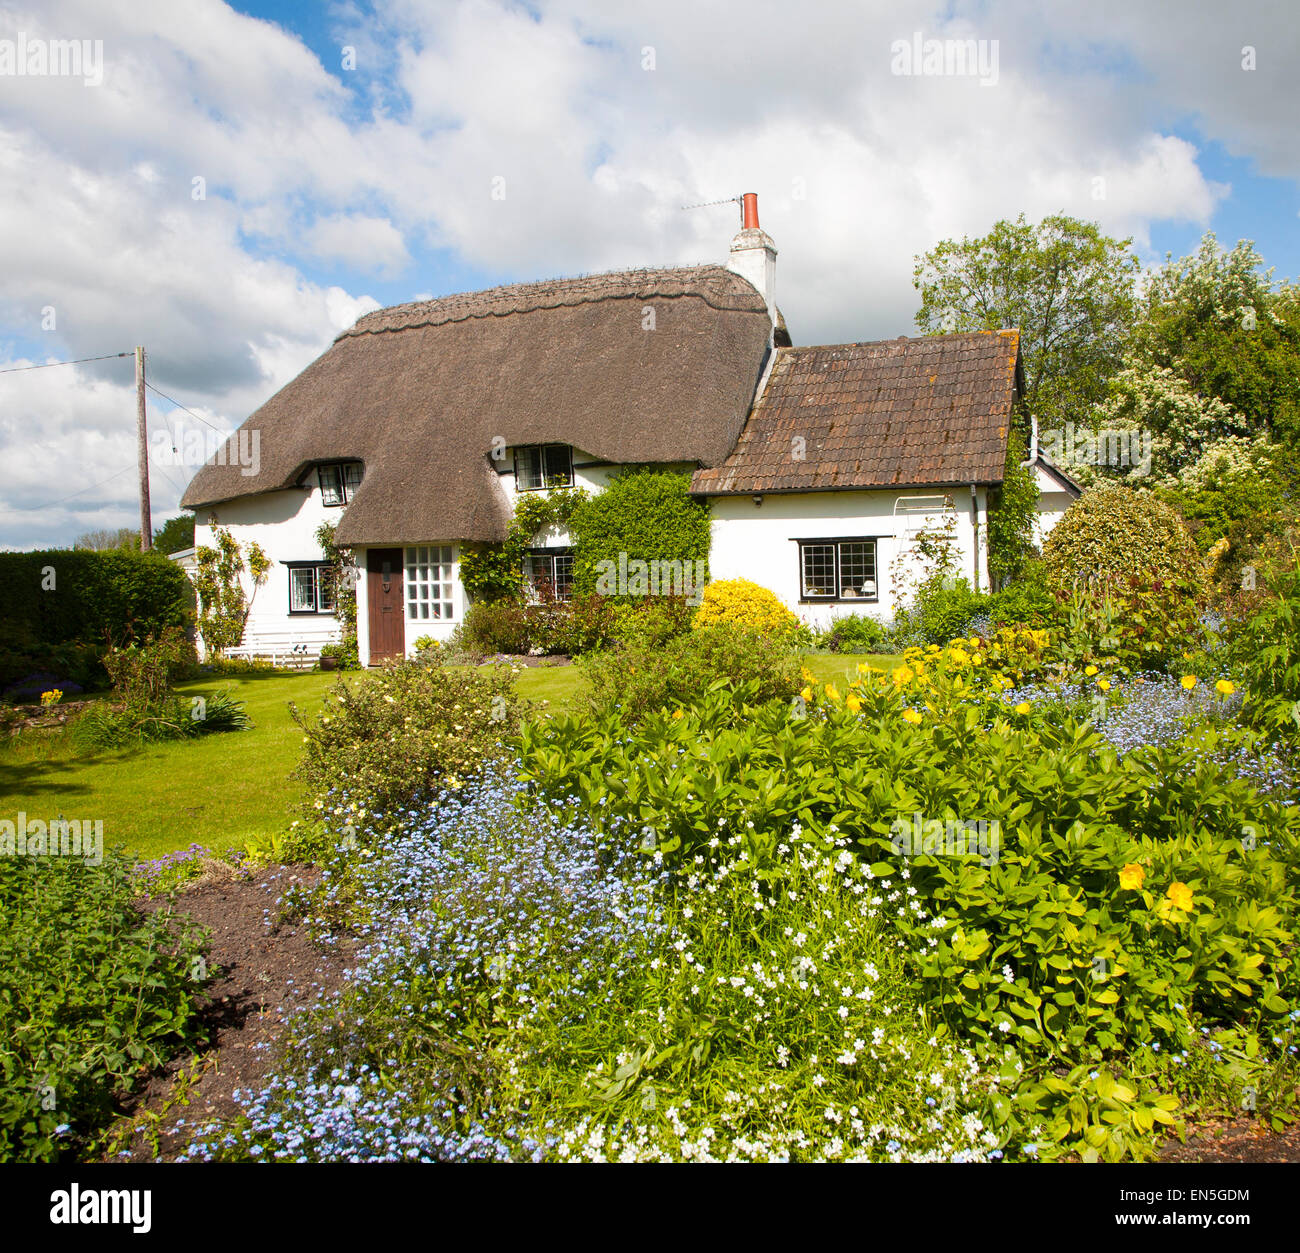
x=221 y=790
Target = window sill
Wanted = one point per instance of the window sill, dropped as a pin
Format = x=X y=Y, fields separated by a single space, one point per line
x=839 y=600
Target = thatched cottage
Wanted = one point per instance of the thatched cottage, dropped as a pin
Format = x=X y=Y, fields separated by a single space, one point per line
x=421 y=424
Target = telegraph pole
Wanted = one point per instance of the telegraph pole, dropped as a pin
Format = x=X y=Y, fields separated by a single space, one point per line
x=142 y=453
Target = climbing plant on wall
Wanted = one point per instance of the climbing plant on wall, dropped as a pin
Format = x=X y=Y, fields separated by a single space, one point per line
x=223 y=603
x=495 y=571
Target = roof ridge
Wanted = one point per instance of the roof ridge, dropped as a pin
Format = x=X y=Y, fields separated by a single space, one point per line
x=551 y=293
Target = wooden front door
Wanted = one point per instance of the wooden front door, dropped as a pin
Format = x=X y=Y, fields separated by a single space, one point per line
x=387 y=609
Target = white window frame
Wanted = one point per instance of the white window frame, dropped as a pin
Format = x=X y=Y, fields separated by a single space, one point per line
x=426 y=567
x=321 y=588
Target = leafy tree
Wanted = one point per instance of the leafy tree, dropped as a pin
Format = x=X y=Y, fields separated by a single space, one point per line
x=1219 y=322
x=175 y=534
x=1066 y=286
x=108 y=540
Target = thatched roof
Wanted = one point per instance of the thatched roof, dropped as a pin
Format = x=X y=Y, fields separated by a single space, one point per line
x=417 y=393
x=932 y=411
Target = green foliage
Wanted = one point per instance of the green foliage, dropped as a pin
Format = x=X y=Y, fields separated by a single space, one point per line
x=648 y=514
x=345 y=575
x=941 y=613
x=1220 y=323
x=94 y=996
x=855 y=633
x=175 y=534
x=1113 y=531
x=639 y=675
x=64 y=596
x=493 y=572
x=651 y=620
x=224 y=605
x=1067 y=288
x=390 y=742
x=1011 y=516
x=1265 y=651
x=1029 y=938
x=1027 y=599
x=546 y=627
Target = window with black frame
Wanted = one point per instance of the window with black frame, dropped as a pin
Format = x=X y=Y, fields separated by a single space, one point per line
x=338 y=482
x=549 y=571
x=311 y=588
x=838 y=569
x=543 y=465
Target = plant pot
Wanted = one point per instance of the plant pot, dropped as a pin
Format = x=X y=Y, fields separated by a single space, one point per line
x=329 y=663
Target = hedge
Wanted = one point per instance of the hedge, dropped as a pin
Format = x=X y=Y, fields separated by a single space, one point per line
x=648 y=514
x=58 y=598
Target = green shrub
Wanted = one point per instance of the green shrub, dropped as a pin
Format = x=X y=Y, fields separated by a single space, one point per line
x=1265 y=652
x=346 y=653
x=94 y=996
x=636 y=677
x=651 y=620
x=1027 y=600
x=499 y=626
x=855 y=633
x=394 y=740
x=647 y=514
x=1116 y=532
x=941 y=613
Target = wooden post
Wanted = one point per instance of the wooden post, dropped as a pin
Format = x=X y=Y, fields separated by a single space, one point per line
x=142 y=453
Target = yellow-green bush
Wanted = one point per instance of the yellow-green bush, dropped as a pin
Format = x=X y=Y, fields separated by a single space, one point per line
x=1118 y=532
x=746 y=604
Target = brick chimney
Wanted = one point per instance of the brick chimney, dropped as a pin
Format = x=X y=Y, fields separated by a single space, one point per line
x=753 y=254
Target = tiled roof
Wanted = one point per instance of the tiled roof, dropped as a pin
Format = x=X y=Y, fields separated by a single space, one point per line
x=900 y=412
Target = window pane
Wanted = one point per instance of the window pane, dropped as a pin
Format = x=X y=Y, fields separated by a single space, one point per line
x=325 y=589
x=818 y=569
x=351 y=478
x=564 y=576
x=302 y=589
x=528 y=468
x=331 y=486
x=858 y=569
x=557 y=466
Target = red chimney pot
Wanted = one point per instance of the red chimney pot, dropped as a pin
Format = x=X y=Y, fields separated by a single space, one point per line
x=749 y=221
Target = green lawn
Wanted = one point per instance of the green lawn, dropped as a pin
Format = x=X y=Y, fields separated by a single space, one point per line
x=220 y=790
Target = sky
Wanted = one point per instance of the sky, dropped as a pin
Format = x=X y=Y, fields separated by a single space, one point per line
x=233 y=185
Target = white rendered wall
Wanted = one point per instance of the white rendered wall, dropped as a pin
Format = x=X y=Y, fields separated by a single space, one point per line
x=284 y=525
x=756 y=542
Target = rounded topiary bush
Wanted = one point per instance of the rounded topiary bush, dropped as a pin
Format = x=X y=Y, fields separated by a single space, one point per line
x=745 y=604
x=1116 y=532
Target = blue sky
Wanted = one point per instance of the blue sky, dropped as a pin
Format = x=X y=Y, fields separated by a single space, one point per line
x=330 y=191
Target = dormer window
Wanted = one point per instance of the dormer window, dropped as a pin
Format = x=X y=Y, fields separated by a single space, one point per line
x=338 y=482
x=543 y=465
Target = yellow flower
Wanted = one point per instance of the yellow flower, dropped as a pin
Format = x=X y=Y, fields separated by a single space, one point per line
x=1189 y=681
x=853 y=704
x=1179 y=896
x=677 y=713
x=1090 y=671
x=978 y=660
x=1224 y=687
x=1024 y=707
x=806 y=693
x=807 y=675
x=832 y=692
x=974 y=641
x=1131 y=877
x=910 y=715
x=903 y=676
x=1104 y=684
